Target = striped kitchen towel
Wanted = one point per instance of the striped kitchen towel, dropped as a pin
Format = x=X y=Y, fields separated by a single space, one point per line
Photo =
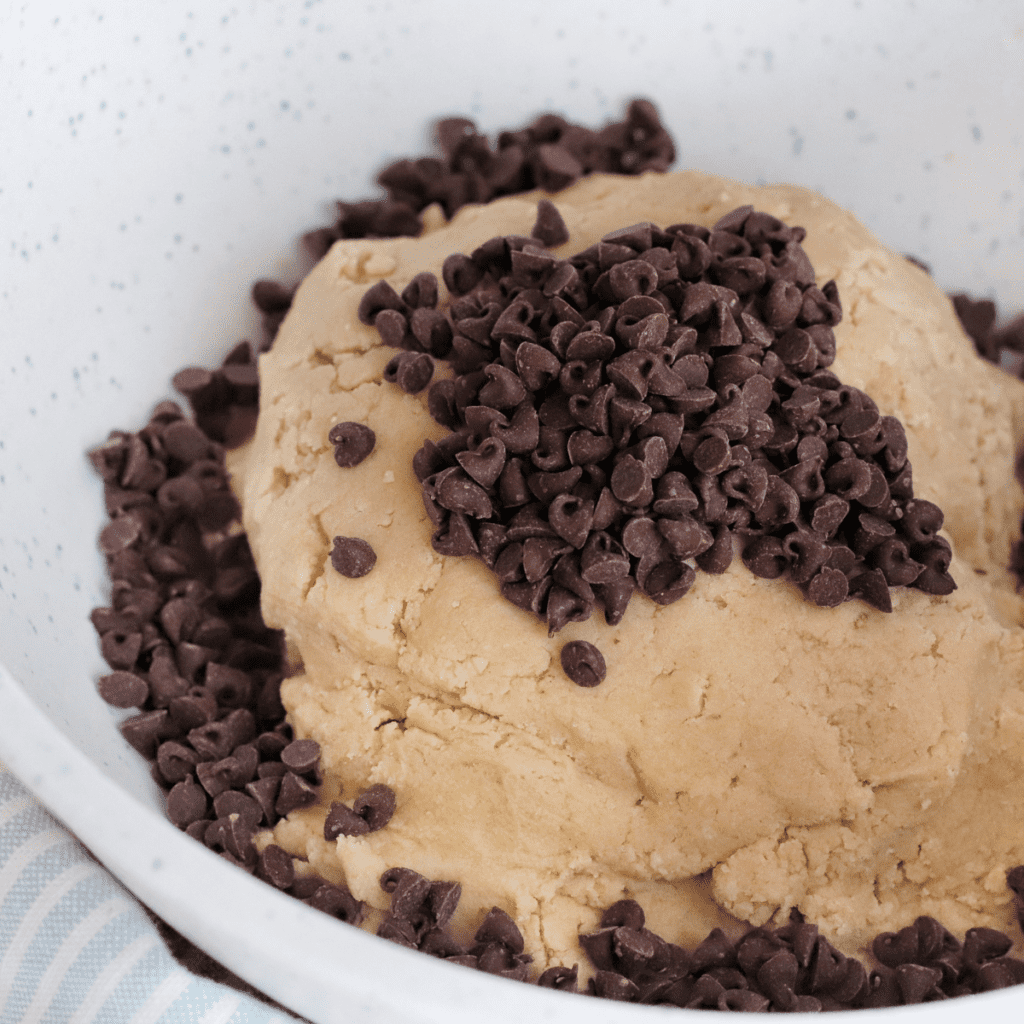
x=77 y=948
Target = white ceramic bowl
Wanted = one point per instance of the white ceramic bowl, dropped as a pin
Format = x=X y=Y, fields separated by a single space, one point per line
x=156 y=159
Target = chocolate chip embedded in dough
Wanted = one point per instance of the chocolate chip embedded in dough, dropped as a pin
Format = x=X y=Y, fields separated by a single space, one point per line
x=352 y=557
x=352 y=442
x=583 y=663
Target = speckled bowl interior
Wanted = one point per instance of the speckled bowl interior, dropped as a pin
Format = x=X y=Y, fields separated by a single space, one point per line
x=158 y=159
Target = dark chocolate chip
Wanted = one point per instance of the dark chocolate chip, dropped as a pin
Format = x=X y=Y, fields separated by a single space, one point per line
x=583 y=663
x=187 y=803
x=123 y=689
x=301 y=756
x=549 y=227
x=295 y=792
x=380 y=296
x=375 y=806
x=829 y=588
x=411 y=371
x=352 y=442
x=276 y=867
x=352 y=557
x=342 y=820
x=337 y=901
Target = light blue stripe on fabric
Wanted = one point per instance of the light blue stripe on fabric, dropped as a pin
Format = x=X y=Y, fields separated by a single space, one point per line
x=163 y=996
x=76 y=948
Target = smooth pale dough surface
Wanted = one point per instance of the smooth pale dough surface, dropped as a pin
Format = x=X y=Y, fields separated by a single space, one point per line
x=748 y=752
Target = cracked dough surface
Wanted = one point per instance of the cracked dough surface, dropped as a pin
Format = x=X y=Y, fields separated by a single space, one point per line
x=861 y=766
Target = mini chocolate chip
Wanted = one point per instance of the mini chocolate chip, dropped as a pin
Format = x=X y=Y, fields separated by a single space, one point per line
x=193 y=710
x=186 y=803
x=454 y=537
x=230 y=687
x=219 y=776
x=458 y=493
x=393 y=329
x=583 y=663
x=921 y=520
x=121 y=650
x=379 y=296
x=409 y=892
x=443 y=900
x=301 y=756
x=564 y=979
x=872 y=588
x=625 y=913
x=484 y=463
x=295 y=792
x=352 y=557
x=766 y=558
x=342 y=820
x=337 y=901
x=352 y=442
x=275 y=866
x=460 y=274
x=233 y=803
x=175 y=761
x=123 y=689
x=411 y=371
x=498 y=927
x=829 y=588
x=917 y=982
x=421 y=292
x=264 y=791
x=145 y=730
x=375 y=806
x=549 y=227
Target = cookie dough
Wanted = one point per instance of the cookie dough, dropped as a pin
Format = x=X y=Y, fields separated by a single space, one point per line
x=859 y=765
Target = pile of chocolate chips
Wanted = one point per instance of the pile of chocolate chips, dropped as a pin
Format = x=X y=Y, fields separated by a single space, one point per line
x=788 y=969
x=620 y=414
x=187 y=645
x=184 y=619
x=793 y=968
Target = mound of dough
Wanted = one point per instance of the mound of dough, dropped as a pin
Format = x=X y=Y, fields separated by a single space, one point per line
x=855 y=764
